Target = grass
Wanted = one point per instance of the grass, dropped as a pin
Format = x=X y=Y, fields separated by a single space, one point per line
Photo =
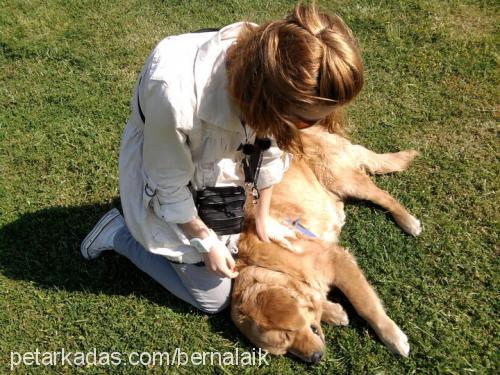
x=67 y=70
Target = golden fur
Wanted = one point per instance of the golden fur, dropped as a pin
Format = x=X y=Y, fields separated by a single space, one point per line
x=280 y=296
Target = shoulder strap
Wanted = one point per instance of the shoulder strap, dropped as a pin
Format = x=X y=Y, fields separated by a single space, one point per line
x=253 y=157
x=207 y=30
x=143 y=118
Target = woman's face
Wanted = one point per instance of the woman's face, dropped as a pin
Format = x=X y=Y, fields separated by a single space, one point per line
x=304 y=118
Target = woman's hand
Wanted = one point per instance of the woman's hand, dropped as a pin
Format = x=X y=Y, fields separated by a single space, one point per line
x=267 y=228
x=220 y=261
x=262 y=213
x=261 y=226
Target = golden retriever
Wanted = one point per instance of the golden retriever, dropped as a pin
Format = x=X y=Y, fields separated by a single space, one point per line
x=280 y=295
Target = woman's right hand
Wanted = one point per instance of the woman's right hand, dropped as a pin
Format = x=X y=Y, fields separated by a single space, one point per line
x=220 y=261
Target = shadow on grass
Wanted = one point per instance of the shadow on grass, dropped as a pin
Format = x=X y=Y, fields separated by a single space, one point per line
x=43 y=247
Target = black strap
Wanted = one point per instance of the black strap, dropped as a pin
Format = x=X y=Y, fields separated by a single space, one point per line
x=143 y=118
x=253 y=158
x=206 y=30
x=141 y=114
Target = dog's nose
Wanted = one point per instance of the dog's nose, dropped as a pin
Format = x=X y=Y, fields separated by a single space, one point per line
x=316 y=357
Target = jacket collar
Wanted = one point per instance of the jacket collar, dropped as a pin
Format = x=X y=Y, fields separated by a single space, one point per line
x=213 y=103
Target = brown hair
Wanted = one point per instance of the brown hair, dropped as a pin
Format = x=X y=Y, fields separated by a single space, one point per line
x=308 y=58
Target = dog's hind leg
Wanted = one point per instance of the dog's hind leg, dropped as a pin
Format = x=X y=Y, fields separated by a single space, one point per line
x=351 y=281
x=350 y=183
x=375 y=163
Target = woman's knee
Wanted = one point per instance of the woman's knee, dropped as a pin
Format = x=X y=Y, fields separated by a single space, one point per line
x=217 y=299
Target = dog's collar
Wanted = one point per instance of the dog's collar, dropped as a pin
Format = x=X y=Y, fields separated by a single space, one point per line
x=299 y=227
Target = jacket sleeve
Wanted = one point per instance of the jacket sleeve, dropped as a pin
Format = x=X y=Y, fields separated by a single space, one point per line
x=274 y=164
x=167 y=161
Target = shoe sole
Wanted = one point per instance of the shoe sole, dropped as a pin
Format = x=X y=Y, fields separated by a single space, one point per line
x=96 y=231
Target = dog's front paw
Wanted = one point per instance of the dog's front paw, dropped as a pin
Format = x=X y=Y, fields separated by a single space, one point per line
x=334 y=313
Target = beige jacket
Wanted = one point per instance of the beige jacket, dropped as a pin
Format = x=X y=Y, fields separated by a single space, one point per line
x=191 y=134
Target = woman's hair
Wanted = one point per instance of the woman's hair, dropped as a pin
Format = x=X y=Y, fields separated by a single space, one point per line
x=308 y=58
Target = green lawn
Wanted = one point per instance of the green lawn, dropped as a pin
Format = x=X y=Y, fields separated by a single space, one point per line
x=67 y=70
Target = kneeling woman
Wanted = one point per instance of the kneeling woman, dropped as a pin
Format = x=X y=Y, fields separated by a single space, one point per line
x=199 y=98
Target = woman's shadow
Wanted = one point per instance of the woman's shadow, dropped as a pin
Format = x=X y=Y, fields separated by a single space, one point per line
x=43 y=248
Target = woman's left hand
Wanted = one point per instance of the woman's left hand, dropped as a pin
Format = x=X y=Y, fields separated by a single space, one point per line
x=268 y=229
x=261 y=228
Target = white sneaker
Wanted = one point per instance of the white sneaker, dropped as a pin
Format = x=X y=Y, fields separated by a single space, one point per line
x=101 y=236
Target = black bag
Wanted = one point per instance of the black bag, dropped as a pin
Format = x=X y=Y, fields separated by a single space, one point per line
x=222 y=208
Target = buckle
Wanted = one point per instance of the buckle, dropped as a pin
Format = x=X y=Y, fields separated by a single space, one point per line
x=149 y=192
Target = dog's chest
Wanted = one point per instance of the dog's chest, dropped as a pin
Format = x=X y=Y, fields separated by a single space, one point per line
x=327 y=221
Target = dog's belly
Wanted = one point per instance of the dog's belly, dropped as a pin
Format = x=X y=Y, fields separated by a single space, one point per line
x=301 y=196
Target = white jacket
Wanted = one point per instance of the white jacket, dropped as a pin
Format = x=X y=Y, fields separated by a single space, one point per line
x=191 y=134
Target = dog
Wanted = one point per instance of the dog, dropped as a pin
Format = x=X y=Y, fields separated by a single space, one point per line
x=279 y=298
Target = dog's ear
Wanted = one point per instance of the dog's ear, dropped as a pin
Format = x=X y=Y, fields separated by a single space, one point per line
x=278 y=309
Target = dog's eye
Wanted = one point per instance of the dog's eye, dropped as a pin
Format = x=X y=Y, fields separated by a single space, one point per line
x=315 y=329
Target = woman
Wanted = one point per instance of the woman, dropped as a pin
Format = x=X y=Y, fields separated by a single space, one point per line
x=200 y=96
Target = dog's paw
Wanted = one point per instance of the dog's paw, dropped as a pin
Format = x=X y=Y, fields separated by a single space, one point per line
x=395 y=339
x=411 y=154
x=334 y=313
x=411 y=225
x=405 y=158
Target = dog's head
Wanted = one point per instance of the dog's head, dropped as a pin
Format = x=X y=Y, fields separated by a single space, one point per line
x=278 y=313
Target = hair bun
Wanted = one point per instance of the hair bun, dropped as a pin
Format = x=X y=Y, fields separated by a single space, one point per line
x=309 y=19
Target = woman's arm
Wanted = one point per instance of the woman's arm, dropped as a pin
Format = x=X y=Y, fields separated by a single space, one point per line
x=267 y=228
x=195 y=228
x=262 y=212
x=169 y=168
x=167 y=160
